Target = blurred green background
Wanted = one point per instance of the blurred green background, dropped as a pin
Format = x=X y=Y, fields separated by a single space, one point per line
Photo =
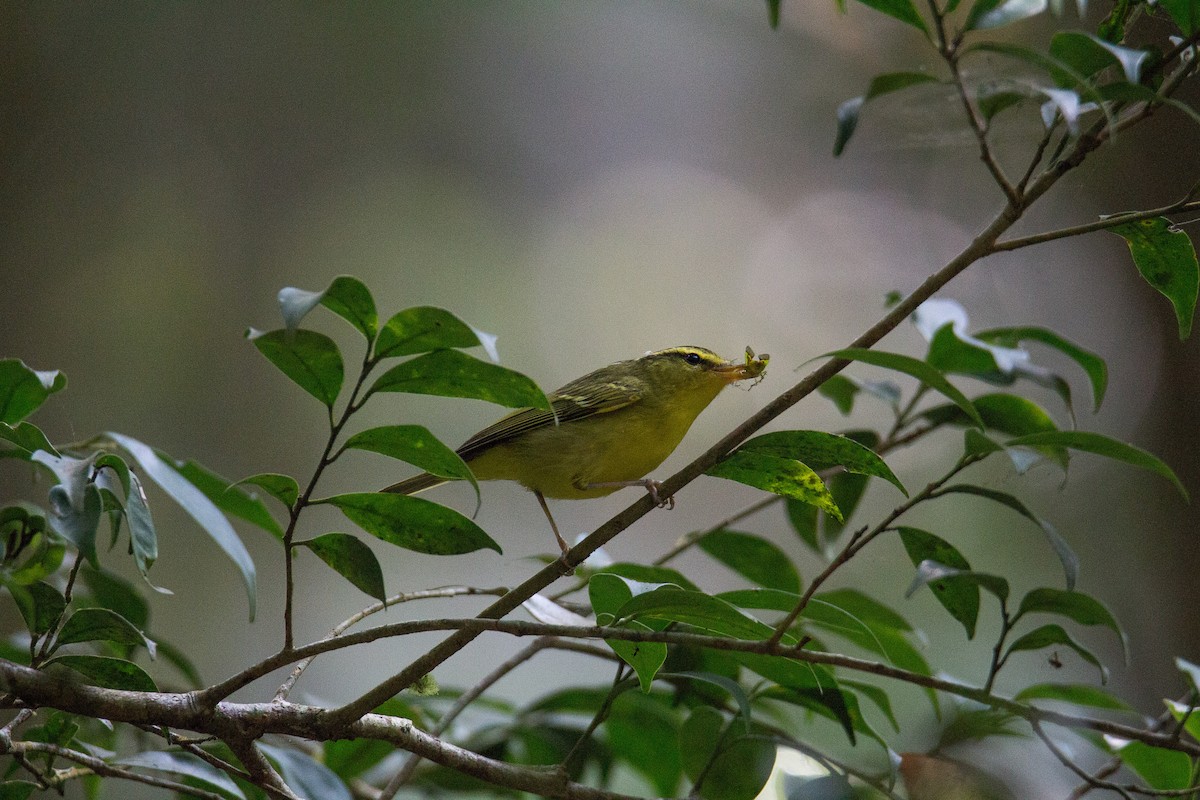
x=588 y=181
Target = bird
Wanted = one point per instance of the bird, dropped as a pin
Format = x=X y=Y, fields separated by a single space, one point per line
x=604 y=431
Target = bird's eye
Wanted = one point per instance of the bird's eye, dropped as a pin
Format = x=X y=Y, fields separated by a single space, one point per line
x=692 y=358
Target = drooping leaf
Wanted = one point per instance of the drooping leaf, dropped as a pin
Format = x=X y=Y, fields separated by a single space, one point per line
x=113 y=592
x=281 y=487
x=423 y=329
x=1087 y=54
x=699 y=737
x=111 y=673
x=1051 y=635
x=987 y=14
x=1092 y=364
x=914 y=367
x=232 y=500
x=23 y=390
x=929 y=571
x=728 y=685
x=77 y=523
x=1082 y=608
x=1162 y=769
x=346 y=296
x=739 y=769
x=848 y=111
x=753 y=557
x=1066 y=556
x=198 y=507
x=1183 y=13
x=821 y=451
x=40 y=605
x=784 y=476
x=143 y=538
x=648 y=574
x=646 y=658
x=186 y=765
x=697 y=609
x=451 y=373
x=312 y=360
x=1166 y=258
x=413 y=523
x=305 y=776
x=27 y=437
x=102 y=625
x=960 y=598
x=351 y=559
x=414 y=444
x=1079 y=694
x=644 y=732
x=1101 y=445
x=903 y=10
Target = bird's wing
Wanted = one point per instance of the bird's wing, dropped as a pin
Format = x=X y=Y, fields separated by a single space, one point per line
x=577 y=400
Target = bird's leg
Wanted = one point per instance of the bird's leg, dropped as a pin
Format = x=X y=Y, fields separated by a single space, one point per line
x=649 y=484
x=558 y=537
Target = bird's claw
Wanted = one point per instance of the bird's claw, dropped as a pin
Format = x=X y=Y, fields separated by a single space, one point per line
x=653 y=488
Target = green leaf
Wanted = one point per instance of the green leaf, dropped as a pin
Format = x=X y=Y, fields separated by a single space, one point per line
x=281 y=487
x=647 y=574
x=902 y=10
x=877 y=696
x=697 y=609
x=421 y=330
x=739 y=770
x=929 y=571
x=784 y=476
x=809 y=685
x=450 y=373
x=414 y=444
x=143 y=539
x=198 y=507
x=821 y=451
x=312 y=360
x=1093 y=366
x=17 y=790
x=351 y=559
x=305 y=776
x=1101 y=445
x=773 y=13
x=644 y=732
x=1163 y=770
x=1050 y=635
x=237 y=502
x=351 y=300
x=110 y=673
x=1078 y=694
x=112 y=592
x=960 y=598
x=1088 y=54
x=728 y=685
x=1066 y=556
x=413 y=523
x=986 y=14
x=847 y=112
x=347 y=297
x=1007 y=413
x=1184 y=14
x=868 y=624
x=23 y=390
x=699 y=736
x=40 y=605
x=755 y=558
x=77 y=524
x=608 y=592
x=917 y=369
x=1166 y=258
x=27 y=437
x=1192 y=671
x=101 y=625
x=186 y=765
x=1082 y=608
x=646 y=658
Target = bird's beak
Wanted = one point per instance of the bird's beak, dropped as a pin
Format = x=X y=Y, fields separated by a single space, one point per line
x=754 y=367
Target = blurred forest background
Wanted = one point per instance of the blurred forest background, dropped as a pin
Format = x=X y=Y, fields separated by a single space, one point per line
x=588 y=181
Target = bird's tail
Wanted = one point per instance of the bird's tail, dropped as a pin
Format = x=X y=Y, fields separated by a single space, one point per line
x=417 y=483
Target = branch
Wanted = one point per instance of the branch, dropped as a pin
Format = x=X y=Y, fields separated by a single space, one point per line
x=96 y=766
x=1186 y=204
